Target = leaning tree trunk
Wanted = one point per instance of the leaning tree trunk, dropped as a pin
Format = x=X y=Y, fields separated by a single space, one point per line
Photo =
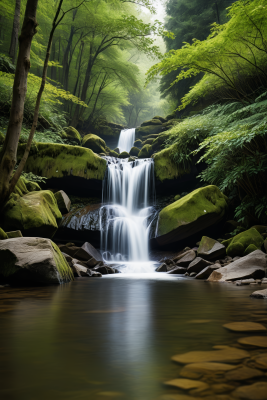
x=15 y=33
x=9 y=151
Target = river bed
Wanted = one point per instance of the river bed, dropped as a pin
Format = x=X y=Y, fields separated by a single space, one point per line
x=112 y=337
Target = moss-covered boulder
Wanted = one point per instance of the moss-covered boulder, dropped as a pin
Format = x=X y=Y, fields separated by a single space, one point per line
x=148 y=141
x=3 y=234
x=14 y=234
x=159 y=118
x=94 y=143
x=138 y=143
x=24 y=186
x=177 y=197
x=57 y=161
x=33 y=260
x=134 y=151
x=124 y=154
x=145 y=152
x=191 y=214
x=34 y=214
x=117 y=150
x=165 y=167
x=171 y=116
x=153 y=121
x=240 y=244
x=113 y=153
x=148 y=130
x=71 y=133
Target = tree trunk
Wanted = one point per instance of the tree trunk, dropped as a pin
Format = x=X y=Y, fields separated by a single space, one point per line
x=15 y=33
x=66 y=61
x=9 y=151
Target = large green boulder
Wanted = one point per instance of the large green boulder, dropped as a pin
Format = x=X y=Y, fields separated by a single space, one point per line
x=113 y=153
x=153 y=121
x=3 y=234
x=58 y=160
x=191 y=214
x=241 y=244
x=124 y=154
x=33 y=260
x=71 y=133
x=34 y=214
x=148 y=141
x=94 y=143
x=138 y=143
x=134 y=151
x=165 y=167
x=145 y=152
x=148 y=130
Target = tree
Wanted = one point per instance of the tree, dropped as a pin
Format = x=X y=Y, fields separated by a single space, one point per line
x=15 y=33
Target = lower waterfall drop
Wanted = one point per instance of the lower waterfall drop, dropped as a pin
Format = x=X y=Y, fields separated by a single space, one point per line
x=128 y=196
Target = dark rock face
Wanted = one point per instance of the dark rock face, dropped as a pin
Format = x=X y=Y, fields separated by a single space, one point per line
x=82 y=224
x=197 y=265
x=162 y=268
x=91 y=251
x=210 y=249
x=206 y=272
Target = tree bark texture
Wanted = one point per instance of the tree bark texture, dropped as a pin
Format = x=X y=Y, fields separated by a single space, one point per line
x=15 y=33
x=9 y=151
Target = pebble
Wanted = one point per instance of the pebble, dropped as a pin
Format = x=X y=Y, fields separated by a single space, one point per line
x=244 y=327
x=188 y=384
x=243 y=374
x=260 y=361
x=256 y=391
x=257 y=341
x=222 y=388
x=197 y=370
x=230 y=354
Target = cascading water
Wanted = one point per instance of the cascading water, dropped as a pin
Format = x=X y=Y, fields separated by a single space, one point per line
x=128 y=191
x=126 y=140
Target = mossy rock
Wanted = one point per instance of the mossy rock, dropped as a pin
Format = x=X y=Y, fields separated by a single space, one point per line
x=250 y=249
x=260 y=228
x=117 y=150
x=145 y=152
x=191 y=214
x=34 y=214
x=24 y=186
x=158 y=142
x=94 y=143
x=165 y=167
x=113 y=153
x=58 y=160
x=108 y=132
x=134 y=151
x=138 y=143
x=177 y=197
x=246 y=238
x=151 y=122
x=2 y=138
x=235 y=249
x=131 y=159
x=159 y=118
x=148 y=141
x=171 y=116
x=3 y=234
x=124 y=154
x=148 y=130
x=72 y=134
x=14 y=234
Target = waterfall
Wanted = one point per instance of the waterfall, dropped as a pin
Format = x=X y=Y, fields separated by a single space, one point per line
x=126 y=140
x=128 y=195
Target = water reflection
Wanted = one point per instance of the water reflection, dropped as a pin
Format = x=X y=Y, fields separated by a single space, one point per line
x=112 y=337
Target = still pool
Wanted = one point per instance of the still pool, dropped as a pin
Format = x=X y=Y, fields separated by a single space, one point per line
x=113 y=337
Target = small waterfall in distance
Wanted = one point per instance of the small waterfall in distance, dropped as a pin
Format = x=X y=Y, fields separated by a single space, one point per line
x=128 y=195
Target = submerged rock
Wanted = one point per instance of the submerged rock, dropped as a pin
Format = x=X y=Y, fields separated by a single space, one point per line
x=191 y=214
x=34 y=214
x=256 y=391
x=244 y=327
x=251 y=266
x=260 y=294
x=229 y=354
x=33 y=261
x=255 y=341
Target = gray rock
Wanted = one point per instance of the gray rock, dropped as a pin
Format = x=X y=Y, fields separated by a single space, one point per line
x=206 y=272
x=198 y=264
x=251 y=266
x=91 y=250
x=63 y=202
x=92 y=262
x=192 y=274
x=162 y=268
x=32 y=260
x=210 y=249
x=14 y=234
x=177 y=271
x=187 y=259
x=102 y=269
x=244 y=282
x=260 y=294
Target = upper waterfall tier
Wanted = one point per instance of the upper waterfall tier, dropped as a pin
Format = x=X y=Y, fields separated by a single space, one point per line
x=126 y=140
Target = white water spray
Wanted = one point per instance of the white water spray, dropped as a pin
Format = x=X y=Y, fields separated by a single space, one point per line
x=128 y=191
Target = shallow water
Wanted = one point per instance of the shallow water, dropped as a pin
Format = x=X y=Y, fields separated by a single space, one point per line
x=112 y=337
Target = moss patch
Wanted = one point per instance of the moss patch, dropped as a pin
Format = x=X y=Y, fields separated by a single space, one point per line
x=208 y=201
x=57 y=160
x=250 y=249
x=2 y=138
x=148 y=130
x=145 y=152
x=235 y=249
x=164 y=167
x=153 y=121
x=3 y=234
x=63 y=267
x=34 y=214
x=94 y=143
x=124 y=154
x=246 y=238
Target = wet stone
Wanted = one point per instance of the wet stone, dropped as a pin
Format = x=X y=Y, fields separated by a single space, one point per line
x=244 y=327
x=260 y=361
x=256 y=391
x=243 y=374
x=228 y=355
x=187 y=384
x=196 y=370
x=222 y=388
x=257 y=341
